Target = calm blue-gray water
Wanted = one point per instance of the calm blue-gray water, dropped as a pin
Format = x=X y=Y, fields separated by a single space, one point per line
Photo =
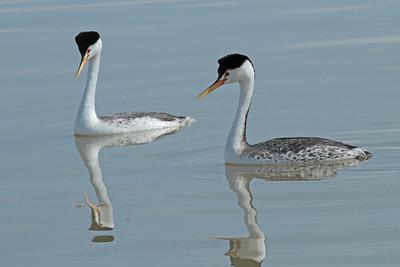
x=323 y=68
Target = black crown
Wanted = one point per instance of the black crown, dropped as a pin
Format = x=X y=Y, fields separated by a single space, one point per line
x=86 y=39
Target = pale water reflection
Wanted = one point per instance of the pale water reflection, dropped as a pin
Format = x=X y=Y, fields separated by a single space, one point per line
x=251 y=250
x=89 y=148
x=292 y=171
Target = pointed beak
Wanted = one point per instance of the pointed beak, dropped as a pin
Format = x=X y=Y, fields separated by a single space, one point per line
x=82 y=64
x=214 y=86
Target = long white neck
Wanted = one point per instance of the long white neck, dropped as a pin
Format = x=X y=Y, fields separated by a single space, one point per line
x=236 y=141
x=87 y=109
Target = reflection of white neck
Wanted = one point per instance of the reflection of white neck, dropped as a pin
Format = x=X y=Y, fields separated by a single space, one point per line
x=89 y=148
x=87 y=110
x=236 y=141
x=242 y=189
x=96 y=179
x=102 y=214
x=253 y=246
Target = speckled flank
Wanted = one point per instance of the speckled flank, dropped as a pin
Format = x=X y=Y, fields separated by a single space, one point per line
x=126 y=119
x=302 y=149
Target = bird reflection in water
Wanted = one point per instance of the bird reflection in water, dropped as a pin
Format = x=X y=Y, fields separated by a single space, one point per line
x=251 y=250
x=89 y=148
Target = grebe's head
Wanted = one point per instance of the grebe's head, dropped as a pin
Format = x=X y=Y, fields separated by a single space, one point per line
x=232 y=68
x=89 y=44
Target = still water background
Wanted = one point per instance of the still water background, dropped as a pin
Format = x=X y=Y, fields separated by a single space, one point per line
x=324 y=68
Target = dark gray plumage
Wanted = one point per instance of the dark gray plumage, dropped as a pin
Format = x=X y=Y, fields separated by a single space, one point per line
x=296 y=144
x=302 y=149
x=137 y=115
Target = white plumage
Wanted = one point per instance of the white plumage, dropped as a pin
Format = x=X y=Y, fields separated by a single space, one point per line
x=88 y=123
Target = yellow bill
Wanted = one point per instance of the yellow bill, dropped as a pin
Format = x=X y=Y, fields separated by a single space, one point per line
x=214 y=86
x=83 y=63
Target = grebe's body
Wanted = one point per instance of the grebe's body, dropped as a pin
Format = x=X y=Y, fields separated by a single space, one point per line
x=88 y=123
x=238 y=68
x=296 y=149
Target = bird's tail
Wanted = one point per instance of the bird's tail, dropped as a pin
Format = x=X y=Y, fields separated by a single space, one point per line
x=364 y=155
x=186 y=121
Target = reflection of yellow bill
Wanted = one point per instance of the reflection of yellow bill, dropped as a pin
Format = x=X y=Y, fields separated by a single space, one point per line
x=83 y=63
x=211 y=88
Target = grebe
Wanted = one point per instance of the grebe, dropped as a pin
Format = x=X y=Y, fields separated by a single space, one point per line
x=88 y=123
x=238 y=68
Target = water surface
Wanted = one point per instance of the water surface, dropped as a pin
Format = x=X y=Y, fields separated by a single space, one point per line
x=323 y=68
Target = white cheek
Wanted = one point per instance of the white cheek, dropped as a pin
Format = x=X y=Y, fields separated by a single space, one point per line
x=229 y=80
x=233 y=77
